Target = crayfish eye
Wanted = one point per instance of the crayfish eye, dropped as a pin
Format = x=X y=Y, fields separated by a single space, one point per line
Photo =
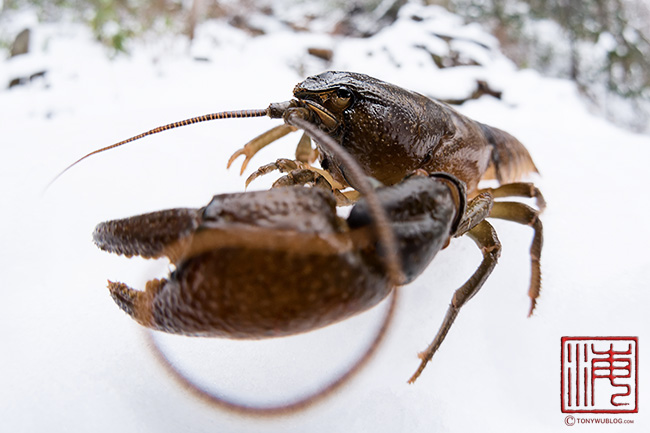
x=342 y=98
x=343 y=93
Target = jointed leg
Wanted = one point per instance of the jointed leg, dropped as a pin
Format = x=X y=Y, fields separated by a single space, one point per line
x=304 y=151
x=283 y=165
x=518 y=212
x=298 y=173
x=486 y=238
x=518 y=189
x=258 y=143
x=477 y=210
x=523 y=214
x=313 y=177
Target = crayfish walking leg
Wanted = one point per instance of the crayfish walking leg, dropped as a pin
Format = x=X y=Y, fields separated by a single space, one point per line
x=478 y=229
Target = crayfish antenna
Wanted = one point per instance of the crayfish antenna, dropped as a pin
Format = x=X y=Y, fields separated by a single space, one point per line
x=237 y=114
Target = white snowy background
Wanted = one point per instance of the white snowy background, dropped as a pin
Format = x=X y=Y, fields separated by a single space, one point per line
x=72 y=361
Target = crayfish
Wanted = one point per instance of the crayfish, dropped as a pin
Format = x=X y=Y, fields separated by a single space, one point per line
x=279 y=262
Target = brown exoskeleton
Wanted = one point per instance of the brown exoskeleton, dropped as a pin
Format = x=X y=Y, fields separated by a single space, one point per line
x=391 y=132
x=280 y=262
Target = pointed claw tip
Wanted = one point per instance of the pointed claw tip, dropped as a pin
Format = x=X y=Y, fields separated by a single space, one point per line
x=244 y=165
x=251 y=178
x=233 y=158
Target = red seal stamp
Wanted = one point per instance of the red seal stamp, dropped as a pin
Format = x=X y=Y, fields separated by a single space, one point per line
x=600 y=374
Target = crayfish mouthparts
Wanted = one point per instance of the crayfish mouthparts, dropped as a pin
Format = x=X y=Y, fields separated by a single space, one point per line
x=279 y=110
x=326 y=117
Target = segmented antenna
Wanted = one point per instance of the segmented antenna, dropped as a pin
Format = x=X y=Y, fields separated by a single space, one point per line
x=237 y=114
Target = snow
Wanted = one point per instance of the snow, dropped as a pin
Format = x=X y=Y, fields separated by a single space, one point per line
x=74 y=362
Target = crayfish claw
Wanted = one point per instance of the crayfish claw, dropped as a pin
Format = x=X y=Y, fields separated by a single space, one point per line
x=136 y=303
x=236 y=155
x=147 y=235
x=283 y=165
x=258 y=143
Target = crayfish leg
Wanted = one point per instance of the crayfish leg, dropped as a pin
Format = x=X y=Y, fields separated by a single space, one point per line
x=518 y=189
x=304 y=151
x=524 y=214
x=477 y=210
x=318 y=178
x=301 y=173
x=486 y=238
x=258 y=143
x=283 y=165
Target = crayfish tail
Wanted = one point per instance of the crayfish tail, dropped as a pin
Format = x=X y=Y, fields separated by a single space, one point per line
x=510 y=159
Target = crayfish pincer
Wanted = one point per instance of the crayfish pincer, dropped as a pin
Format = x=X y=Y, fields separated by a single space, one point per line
x=245 y=263
x=280 y=262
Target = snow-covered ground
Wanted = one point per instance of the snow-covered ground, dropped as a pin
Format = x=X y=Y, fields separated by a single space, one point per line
x=72 y=361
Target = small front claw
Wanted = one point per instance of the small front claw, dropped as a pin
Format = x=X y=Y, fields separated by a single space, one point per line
x=247 y=158
x=299 y=173
x=258 y=143
x=283 y=165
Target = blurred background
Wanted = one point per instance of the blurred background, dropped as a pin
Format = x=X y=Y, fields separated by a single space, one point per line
x=602 y=45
